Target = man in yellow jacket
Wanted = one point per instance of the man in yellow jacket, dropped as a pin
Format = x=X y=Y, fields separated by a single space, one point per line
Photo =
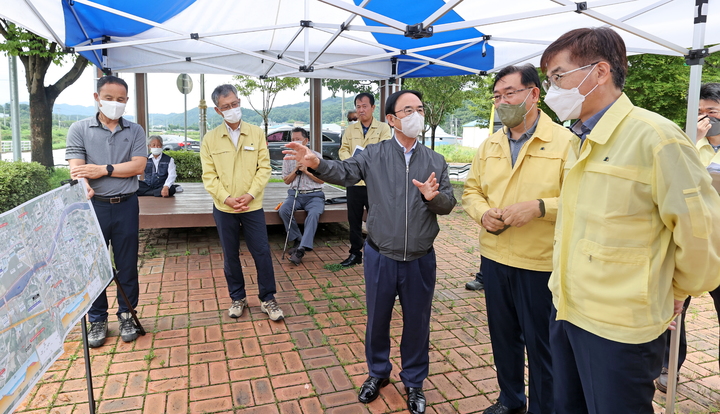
x=511 y=191
x=236 y=169
x=636 y=231
x=357 y=136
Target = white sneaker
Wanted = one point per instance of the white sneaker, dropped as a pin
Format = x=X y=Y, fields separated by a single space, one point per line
x=237 y=308
x=272 y=309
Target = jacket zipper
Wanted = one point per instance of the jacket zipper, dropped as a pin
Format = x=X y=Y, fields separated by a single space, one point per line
x=407 y=175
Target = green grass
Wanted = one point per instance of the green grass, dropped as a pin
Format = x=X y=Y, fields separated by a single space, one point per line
x=58 y=174
x=333 y=267
x=456 y=153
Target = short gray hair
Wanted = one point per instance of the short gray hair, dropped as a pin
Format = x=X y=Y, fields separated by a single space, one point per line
x=223 y=91
x=155 y=138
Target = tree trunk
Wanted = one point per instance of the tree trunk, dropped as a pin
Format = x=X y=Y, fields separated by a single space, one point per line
x=42 y=100
x=41 y=128
x=432 y=136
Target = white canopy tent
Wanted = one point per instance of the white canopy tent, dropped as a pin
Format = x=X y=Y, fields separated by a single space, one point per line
x=360 y=39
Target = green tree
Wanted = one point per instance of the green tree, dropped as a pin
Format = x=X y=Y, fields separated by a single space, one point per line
x=270 y=87
x=37 y=54
x=660 y=83
x=480 y=98
x=441 y=96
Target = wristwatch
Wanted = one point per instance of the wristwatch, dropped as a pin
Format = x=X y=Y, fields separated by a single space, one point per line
x=542 y=207
x=110 y=169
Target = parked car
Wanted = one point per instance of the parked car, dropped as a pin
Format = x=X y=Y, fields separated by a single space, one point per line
x=277 y=139
x=177 y=143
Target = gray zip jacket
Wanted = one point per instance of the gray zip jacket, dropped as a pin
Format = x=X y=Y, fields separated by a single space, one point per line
x=401 y=223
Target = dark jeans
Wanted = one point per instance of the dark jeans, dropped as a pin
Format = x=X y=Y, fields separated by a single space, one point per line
x=146 y=190
x=519 y=304
x=594 y=375
x=414 y=283
x=357 y=201
x=256 y=238
x=119 y=224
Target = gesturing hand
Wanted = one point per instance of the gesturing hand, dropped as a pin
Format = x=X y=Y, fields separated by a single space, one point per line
x=302 y=154
x=429 y=188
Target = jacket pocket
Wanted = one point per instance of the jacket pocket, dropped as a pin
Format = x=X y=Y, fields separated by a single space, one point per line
x=610 y=284
x=699 y=215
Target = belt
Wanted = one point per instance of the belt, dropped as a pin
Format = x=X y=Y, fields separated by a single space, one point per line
x=114 y=199
x=308 y=191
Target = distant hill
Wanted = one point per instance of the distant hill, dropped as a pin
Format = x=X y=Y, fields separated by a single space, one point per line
x=298 y=112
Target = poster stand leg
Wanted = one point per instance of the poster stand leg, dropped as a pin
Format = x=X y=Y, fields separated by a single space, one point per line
x=88 y=369
x=133 y=312
x=86 y=348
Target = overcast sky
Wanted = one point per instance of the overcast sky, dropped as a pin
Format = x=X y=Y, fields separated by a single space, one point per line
x=163 y=95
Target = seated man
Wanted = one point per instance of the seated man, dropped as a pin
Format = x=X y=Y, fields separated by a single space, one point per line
x=306 y=193
x=159 y=176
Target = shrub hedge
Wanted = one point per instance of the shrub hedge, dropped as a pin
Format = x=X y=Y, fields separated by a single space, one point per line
x=21 y=181
x=187 y=165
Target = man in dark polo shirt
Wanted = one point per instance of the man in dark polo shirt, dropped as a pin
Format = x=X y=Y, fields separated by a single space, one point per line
x=109 y=153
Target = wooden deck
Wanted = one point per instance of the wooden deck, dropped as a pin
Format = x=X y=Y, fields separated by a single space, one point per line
x=193 y=207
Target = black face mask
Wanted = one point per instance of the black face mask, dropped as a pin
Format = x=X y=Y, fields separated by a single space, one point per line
x=714 y=127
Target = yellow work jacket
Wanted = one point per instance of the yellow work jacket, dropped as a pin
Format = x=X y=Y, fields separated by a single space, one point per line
x=230 y=171
x=638 y=226
x=707 y=153
x=493 y=182
x=353 y=136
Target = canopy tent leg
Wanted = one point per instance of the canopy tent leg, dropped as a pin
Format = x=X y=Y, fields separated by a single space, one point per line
x=695 y=60
x=316 y=114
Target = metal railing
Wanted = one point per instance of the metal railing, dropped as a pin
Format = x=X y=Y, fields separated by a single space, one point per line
x=7 y=146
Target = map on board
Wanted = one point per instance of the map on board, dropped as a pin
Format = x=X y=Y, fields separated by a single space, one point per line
x=53 y=264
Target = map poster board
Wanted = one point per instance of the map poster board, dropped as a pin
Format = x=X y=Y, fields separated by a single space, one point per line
x=53 y=264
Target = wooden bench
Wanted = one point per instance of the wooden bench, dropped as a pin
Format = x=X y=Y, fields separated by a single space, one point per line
x=193 y=207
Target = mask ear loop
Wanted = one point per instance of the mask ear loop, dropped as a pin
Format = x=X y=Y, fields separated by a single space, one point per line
x=528 y=111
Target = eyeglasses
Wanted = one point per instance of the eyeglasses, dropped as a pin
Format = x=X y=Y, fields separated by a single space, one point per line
x=508 y=95
x=556 y=78
x=408 y=111
x=230 y=106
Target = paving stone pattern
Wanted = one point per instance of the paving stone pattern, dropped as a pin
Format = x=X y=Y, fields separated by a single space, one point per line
x=196 y=359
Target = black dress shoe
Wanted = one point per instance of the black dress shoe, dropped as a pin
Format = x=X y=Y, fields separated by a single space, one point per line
x=370 y=389
x=416 y=400
x=353 y=259
x=498 y=408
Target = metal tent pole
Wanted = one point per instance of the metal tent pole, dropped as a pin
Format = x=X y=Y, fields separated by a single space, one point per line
x=695 y=60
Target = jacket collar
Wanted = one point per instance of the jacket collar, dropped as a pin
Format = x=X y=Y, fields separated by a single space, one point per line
x=606 y=126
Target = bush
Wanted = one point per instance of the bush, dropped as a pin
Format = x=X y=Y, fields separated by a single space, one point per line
x=187 y=165
x=21 y=181
x=456 y=153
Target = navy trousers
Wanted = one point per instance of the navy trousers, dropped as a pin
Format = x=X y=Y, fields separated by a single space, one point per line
x=414 y=282
x=594 y=375
x=357 y=202
x=119 y=224
x=314 y=206
x=146 y=190
x=256 y=238
x=519 y=304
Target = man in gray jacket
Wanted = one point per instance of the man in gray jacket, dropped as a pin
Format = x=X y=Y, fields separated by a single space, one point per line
x=408 y=186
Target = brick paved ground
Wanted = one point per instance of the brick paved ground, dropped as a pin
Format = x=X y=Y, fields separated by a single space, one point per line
x=195 y=359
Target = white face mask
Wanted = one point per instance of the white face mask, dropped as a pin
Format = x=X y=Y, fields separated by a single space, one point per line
x=233 y=115
x=567 y=103
x=412 y=125
x=111 y=109
x=156 y=151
